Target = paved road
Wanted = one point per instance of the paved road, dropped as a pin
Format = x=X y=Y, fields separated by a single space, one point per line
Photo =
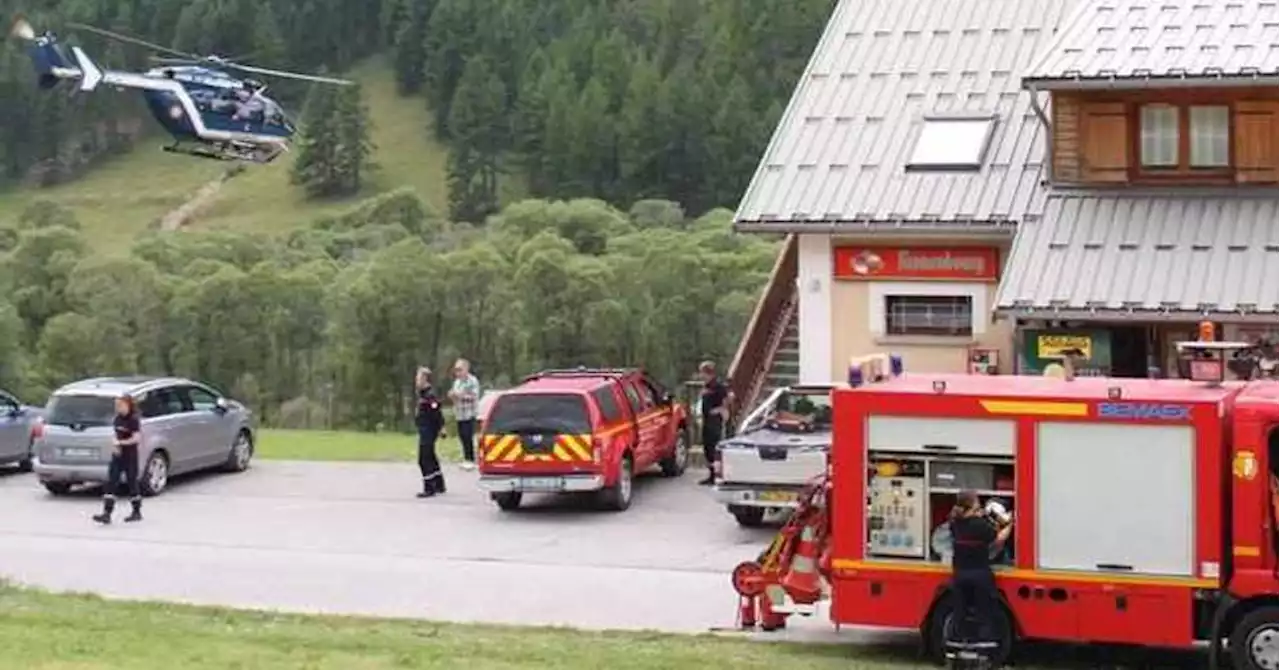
x=350 y=538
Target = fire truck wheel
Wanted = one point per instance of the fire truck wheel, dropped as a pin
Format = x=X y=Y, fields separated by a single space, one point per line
x=1254 y=640
x=941 y=624
x=508 y=501
x=748 y=517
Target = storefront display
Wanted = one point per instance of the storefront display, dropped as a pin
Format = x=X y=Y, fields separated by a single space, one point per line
x=1043 y=351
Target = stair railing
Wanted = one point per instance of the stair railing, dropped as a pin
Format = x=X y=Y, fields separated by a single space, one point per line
x=755 y=352
x=777 y=334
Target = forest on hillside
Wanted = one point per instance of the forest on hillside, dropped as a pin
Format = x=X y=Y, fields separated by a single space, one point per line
x=620 y=100
x=324 y=327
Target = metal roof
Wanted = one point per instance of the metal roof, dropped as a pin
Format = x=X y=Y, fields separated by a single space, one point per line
x=837 y=159
x=1163 y=43
x=1172 y=254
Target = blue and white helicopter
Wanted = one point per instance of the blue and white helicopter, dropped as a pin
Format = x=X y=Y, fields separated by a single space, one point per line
x=210 y=113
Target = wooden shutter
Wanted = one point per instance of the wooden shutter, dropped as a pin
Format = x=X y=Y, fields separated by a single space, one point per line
x=1104 y=134
x=1256 y=137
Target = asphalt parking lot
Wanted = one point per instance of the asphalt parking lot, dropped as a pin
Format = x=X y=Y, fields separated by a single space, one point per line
x=351 y=538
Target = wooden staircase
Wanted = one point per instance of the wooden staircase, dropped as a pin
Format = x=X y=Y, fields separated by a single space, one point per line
x=769 y=353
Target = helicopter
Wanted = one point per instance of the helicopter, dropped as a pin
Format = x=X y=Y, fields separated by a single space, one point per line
x=209 y=112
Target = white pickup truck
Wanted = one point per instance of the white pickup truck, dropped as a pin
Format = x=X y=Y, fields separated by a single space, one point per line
x=781 y=446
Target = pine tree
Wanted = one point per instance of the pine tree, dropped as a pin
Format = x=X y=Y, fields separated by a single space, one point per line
x=408 y=49
x=354 y=148
x=470 y=198
x=317 y=144
x=479 y=129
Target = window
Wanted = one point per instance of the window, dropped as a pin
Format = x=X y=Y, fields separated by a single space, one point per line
x=202 y=400
x=633 y=398
x=80 y=410
x=539 y=413
x=952 y=143
x=608 y=404
x=928 y=315
x=162 y=402
x=7 y=403
x=1195 y=137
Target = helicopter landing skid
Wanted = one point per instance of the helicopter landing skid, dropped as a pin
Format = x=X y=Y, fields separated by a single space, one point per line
x=227 y=152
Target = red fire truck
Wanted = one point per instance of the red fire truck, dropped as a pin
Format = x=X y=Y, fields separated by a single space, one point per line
x=1143 y=510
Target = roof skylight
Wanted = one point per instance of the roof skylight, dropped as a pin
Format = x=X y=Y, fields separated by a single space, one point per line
x=952 y=143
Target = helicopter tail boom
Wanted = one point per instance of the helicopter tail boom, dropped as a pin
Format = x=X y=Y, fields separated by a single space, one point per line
x=51 y=62
x=90 y=73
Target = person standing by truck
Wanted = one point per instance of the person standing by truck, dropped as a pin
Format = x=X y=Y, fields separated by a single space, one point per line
x=465 y=394
x=973 y=584
x=124 y=462
x=430 y=422
x=715 y=413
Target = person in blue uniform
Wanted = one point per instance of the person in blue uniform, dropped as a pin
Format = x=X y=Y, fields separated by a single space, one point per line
x=124 y=462
x=430 y=422
x=973 y=585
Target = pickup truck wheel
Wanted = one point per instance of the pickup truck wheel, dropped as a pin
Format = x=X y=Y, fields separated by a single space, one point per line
x=748 y=517
x=675 y=464
x=618 y=496
x=508 y=501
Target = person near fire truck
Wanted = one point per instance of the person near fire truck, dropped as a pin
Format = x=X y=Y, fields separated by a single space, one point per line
x=430 y=422
x=715 y=413
x=974 y=535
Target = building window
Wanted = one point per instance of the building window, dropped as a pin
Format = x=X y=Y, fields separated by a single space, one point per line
x=956 y=143
x=950 y=316
x=1196 y=137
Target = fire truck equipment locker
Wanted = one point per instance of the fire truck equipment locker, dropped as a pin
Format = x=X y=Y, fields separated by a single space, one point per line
x=1115 y=498
x=941 y=435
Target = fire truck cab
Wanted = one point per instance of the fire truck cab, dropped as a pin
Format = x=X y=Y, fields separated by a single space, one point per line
x=1144 y=510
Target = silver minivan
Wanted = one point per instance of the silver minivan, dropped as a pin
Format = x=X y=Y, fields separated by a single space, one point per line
x=186 y=427
x=17 y=423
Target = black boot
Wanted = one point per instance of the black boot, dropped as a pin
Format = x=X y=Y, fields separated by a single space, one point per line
x=439 y=484
x=710 y=480
x=108 y=506
x=136 y=514
x=428 y=488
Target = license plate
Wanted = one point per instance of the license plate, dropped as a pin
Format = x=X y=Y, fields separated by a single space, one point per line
x=541 y=483
x=777 y=496
x=80 y=453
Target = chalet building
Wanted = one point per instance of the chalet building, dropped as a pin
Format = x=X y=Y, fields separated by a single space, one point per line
x=982 y=184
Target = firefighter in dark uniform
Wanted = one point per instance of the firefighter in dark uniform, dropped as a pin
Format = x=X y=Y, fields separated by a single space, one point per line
x=715 y=414
x=124 y=462
x=974 y=536
x=430 y=428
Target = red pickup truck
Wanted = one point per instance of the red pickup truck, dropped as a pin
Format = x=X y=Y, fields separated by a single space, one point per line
x=582 y=430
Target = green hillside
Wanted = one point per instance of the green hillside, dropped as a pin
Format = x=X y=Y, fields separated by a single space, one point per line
x=121 y=198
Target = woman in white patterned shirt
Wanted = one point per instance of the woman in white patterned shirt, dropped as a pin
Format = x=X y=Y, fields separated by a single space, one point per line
x=465 y=394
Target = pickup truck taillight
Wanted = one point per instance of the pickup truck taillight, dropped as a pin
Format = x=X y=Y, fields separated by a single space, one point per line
x=597 y=451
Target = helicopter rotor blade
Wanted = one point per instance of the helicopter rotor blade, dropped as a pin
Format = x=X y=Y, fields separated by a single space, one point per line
x=289 y=75
x=21 y=29
x=130 y=40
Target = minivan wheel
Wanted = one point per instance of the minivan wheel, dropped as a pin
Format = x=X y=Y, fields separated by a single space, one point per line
x=57 y=488
x=618 y=496
x=675 y=464
x=155 y=476
x=241 y=453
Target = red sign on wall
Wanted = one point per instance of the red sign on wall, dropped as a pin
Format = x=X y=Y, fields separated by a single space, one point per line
x=939 y=263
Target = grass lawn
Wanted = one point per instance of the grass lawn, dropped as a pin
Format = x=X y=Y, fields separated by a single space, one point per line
x=329 y=445
x=43 y=631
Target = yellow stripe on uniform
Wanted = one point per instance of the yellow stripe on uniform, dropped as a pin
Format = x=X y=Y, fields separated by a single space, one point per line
x=1035 y=408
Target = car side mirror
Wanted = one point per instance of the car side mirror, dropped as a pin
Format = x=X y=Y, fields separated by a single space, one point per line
x=16 y=411
x=221 y=405
x=668 y=399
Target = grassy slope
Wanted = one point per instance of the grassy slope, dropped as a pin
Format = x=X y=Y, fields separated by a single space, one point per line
x=120 y=199
x=40 y=631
